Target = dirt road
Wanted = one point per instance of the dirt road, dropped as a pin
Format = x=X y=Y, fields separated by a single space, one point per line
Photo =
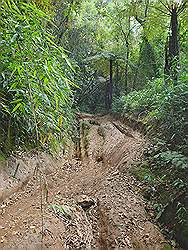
x=88 y=202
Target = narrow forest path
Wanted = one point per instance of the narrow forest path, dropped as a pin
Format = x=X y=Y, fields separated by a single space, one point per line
x=92 y=202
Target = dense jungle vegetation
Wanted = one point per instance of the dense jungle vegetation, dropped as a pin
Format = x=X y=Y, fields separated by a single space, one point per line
x=124 y=57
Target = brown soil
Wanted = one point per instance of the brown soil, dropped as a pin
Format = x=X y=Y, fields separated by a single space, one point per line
x=114 y=215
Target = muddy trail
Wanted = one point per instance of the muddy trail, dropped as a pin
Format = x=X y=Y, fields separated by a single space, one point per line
x=89 y=201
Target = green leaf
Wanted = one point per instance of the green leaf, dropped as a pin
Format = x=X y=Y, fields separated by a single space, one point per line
x=16 y=101
x=16 y=107
x=13 y=39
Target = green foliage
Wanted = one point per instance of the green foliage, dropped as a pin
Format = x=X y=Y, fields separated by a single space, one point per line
x=35 y=92
x=143 y=100
x=178 y=160
x=166 y=188
x=143 y=173
x=147 y=66
x=61 y=211
x=173 y=168
x=162 y=108
x=167 y=247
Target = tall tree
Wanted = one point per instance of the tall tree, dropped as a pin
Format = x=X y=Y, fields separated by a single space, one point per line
x=172 y=44
x=146 y=66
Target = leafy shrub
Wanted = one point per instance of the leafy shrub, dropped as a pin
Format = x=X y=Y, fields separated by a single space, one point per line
x=172 y=166
x=35 y=93
x=178 y=160
x=161 y=107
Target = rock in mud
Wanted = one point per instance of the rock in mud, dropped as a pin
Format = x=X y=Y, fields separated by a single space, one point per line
x=85 y=202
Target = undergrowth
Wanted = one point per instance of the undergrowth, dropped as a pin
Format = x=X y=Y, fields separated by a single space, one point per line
x=164 y=174
x=163 y=108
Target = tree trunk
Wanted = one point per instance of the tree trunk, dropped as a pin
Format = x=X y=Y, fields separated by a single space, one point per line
x=172 y=48
x=109 y=88
x=167 y=66
x=127 y=54
x=126 y=66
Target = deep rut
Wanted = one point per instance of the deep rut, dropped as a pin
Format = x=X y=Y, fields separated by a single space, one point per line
x=93 y=201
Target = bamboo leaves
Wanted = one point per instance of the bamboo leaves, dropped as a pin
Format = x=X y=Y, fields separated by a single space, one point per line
x=34 y=74
x=16 y=107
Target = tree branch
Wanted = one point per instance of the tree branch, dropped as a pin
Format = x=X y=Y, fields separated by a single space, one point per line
x=146 y=9
x=165 y=6
x=139 y=20
x=162 y=11
x=182 y=8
